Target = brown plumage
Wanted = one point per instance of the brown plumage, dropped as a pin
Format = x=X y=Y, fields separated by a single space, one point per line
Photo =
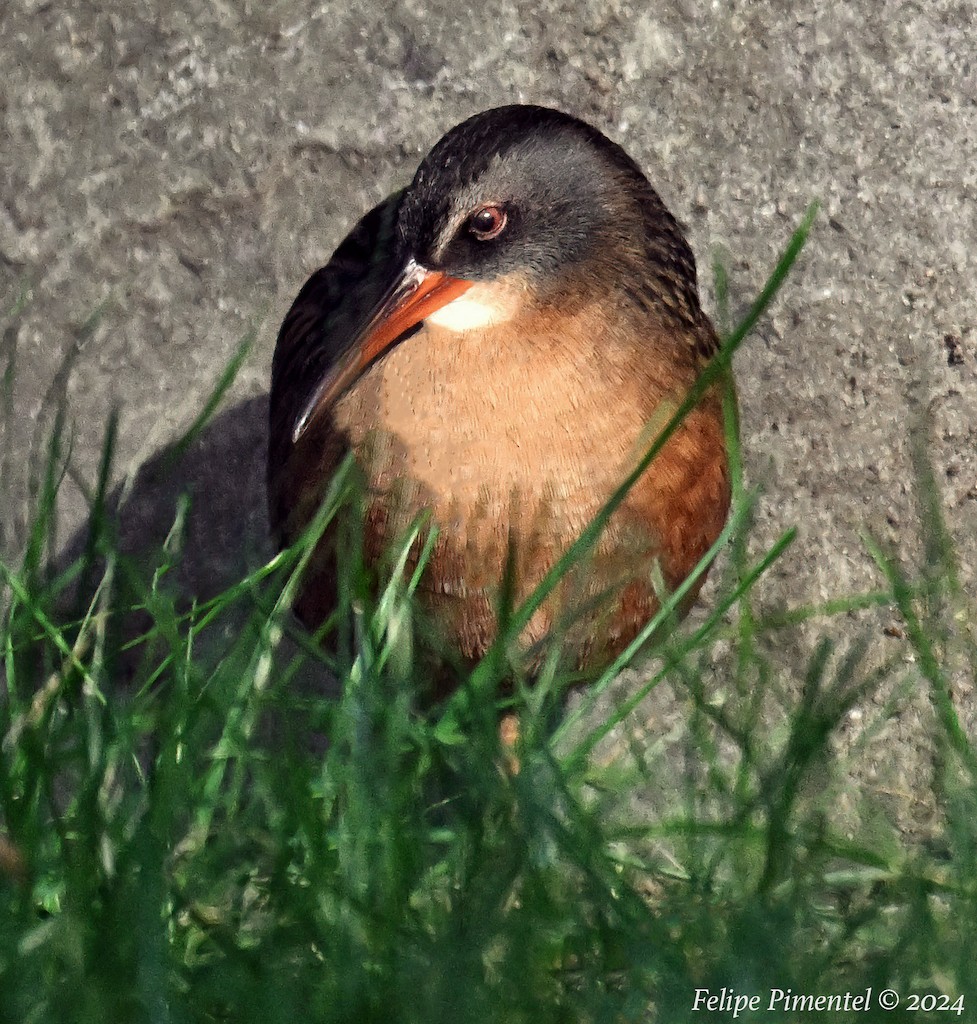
x=500 y=343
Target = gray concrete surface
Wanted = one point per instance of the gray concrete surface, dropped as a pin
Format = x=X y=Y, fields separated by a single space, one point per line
x=182 y=168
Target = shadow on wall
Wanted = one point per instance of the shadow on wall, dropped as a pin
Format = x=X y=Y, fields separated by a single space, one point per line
x=219 y=479
x=224 y=533
x=222 y=473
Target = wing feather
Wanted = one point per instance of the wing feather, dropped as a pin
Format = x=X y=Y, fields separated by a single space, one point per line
x=317 y=330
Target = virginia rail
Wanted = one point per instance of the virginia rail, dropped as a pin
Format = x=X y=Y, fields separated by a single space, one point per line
x=500 y=342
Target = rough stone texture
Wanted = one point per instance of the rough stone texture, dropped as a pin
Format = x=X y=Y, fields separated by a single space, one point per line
x=180 y=172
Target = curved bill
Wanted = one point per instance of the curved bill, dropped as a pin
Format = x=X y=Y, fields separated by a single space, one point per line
x=414 y=294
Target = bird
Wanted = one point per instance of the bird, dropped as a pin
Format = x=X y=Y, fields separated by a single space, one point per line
x=498 y=344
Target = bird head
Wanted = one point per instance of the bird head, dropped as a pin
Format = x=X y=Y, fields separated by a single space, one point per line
x=516 y=209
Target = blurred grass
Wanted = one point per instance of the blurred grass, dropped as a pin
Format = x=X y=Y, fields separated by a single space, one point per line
x=187 y=848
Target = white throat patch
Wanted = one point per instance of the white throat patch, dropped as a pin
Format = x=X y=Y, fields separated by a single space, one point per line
x=483 y=305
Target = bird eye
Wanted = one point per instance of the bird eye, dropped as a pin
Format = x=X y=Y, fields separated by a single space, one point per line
x=487 y=223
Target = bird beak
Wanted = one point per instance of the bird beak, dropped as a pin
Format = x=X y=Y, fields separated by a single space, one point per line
x=415 y=293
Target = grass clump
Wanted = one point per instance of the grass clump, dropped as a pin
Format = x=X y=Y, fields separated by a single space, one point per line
x=217 y=839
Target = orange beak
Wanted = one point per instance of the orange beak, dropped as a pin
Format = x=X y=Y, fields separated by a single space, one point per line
x=414 y=294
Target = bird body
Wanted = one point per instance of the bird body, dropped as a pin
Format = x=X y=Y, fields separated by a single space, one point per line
x=500 y=344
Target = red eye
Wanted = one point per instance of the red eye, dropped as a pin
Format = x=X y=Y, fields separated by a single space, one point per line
x=487 y=223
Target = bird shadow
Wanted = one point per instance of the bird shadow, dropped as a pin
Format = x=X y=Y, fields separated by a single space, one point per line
x=215 y=489
x=200 y=510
